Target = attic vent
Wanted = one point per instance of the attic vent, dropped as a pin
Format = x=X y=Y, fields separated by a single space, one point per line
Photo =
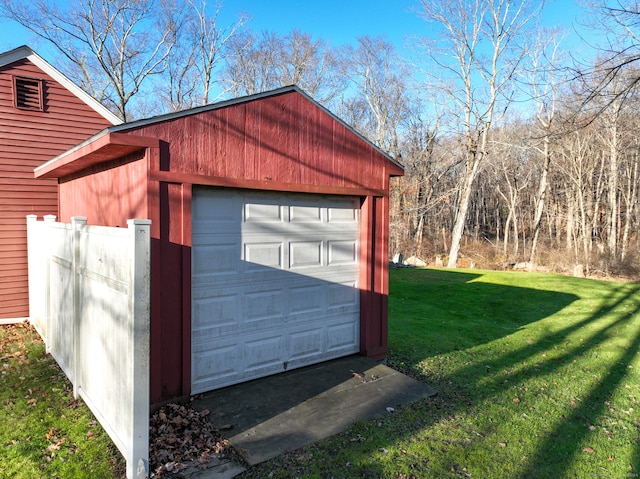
x=28 y=93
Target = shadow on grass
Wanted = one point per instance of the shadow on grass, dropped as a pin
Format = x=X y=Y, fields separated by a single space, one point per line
x=435 y=312
x=430 y=300
x=540 y=369
x=595 y=404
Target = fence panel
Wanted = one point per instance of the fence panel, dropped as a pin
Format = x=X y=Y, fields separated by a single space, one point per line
x=92 y=310
x=59 y=301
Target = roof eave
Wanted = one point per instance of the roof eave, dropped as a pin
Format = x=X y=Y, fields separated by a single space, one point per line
x=103 y=147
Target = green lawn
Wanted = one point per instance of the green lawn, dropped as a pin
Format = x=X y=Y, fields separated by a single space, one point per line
x=44 y=432
x=539 y=377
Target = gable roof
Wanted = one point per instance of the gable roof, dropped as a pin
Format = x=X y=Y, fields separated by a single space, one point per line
x=244 y=99
x=24 y=52
x=113 y=140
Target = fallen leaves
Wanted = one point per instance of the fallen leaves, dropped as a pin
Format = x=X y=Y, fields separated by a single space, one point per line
x=55 y=446
x=56 y=440
x=180 y=436
x=53 y=432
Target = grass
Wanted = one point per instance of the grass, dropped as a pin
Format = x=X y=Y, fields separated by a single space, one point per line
x=538 y=377
x=44 y=432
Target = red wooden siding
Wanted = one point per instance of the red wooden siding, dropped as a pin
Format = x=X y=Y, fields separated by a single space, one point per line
x=28 y=139
x=92 y=194
x=283 y=139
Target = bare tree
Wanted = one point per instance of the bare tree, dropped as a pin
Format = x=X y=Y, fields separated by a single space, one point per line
x=619 y=23
x=545 y=79
x=510 y=165
x=198 y=55
x=380 y=80
x=631 y=174
x=420 y=192
x=114 y=46
x=477 y=55
x=210 y=40
x=260 y=62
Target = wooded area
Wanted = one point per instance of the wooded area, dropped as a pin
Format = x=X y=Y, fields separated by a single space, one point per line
x=515 y=152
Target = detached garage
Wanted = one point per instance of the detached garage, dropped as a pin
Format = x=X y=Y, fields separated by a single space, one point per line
x=269 y=234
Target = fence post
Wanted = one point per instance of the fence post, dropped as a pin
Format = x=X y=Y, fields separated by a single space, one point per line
x=45 y=252
x=35 y=275
x=78 y=223
x=139 y=310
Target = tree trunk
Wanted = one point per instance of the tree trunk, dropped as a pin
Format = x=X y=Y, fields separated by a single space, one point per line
x=542 y=192
x=631 y=198
x=570 y=220
x=473 y=158
x=612 y=227
x=505 y=243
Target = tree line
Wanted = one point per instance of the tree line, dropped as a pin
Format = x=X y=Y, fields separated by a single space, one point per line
x=514 y=151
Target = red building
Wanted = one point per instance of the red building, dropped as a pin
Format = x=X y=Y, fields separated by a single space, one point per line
x=42 y=114
x=269 y=234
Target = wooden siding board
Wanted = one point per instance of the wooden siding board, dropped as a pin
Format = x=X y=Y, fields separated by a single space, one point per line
x=221 y=141
x=8 y=236
x=325 y=160
x=268 y=166
x=235 y=149
x=290 y=136
x=13 y=289
x=251 y=138
x=312 y=145
x=20 y=162
x=14 y=134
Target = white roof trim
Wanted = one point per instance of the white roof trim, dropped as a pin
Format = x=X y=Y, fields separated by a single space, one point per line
x=22 y=52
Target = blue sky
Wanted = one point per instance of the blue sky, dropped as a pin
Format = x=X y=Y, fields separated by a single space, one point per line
x=337 y=21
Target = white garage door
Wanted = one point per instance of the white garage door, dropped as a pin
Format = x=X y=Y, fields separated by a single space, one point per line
x=275 y=283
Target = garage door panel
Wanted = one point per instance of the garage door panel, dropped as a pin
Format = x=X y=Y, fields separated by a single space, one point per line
x=305 y=254
x=305 y=214
x=306 y=344
x=258 y=255
x=267 y=211
x=278 y=286
x=307 y=299
x=263 y=305
x=341 y=337
x=264 y=354
x=343 y=215
x=223 y=308
x=343 y=295
x=213 y=366
x=215 y=260
x=225 y=212
x=342 y=252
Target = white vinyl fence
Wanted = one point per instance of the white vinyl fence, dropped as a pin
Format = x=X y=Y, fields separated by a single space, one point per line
x=89 y=298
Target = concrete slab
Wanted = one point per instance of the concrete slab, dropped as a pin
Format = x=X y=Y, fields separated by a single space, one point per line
x=277 y=414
